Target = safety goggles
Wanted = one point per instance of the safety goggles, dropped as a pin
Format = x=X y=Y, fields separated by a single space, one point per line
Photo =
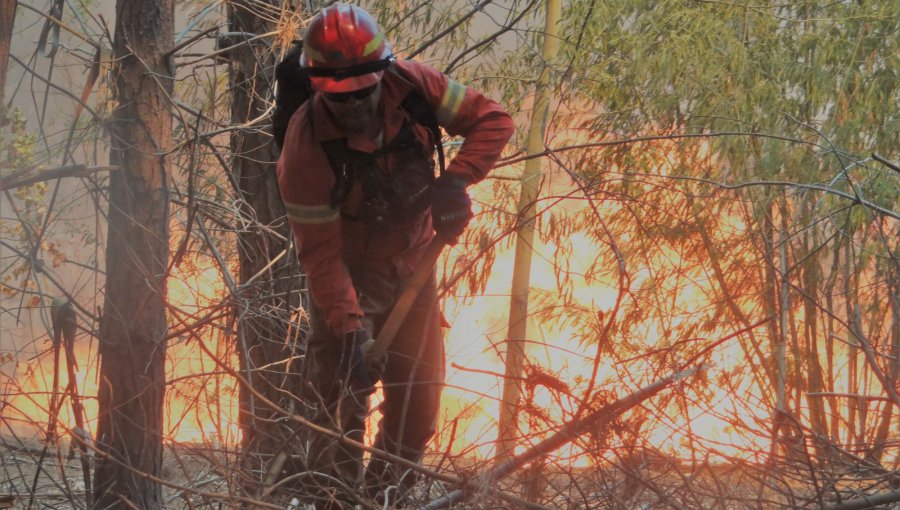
x=343 y=97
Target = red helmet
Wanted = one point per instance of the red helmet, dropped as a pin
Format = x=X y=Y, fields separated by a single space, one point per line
x=344 y=49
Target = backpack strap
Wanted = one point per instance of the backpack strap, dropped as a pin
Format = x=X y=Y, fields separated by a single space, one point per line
x=339 y=160
x=350 y=166
x=422 y=113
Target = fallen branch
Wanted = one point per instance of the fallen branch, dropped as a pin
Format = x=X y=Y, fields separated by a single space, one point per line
x=569 y=432
x=866 y=501
x=847 y=395
x=55 y=173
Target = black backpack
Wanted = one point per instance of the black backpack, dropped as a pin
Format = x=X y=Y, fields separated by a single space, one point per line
x=294 y=88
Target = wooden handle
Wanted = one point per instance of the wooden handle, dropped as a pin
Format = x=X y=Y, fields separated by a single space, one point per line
x=407 y=296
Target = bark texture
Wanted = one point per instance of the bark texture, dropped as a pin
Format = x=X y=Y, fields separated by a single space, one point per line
x=7 y=17
x=133 y=327
x=269 y=286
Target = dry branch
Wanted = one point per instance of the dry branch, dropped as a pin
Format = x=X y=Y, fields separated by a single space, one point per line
x=885 y=162
x=569 y=432
x=56 y=21
x=55 y=173
x=867 y=501
x=443 y=33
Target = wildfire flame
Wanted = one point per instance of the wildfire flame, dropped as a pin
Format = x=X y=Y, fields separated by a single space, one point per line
x=202 y=399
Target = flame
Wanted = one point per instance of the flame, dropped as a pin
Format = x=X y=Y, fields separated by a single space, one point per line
x=479 y=326
x=30 y=393
x=202 y=400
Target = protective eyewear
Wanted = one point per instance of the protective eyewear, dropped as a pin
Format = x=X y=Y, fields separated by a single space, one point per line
x=343 y=97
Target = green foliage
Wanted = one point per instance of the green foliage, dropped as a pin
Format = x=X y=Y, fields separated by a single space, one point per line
x=17 y=147
x=16 y=144
x=823 y=72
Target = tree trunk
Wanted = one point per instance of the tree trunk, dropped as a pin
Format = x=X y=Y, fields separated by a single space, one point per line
x=853 y=350
x=518 y=307
x=835 y=407
x=792 y=353
x=886 y=418
x=788 y=434
x=7 y=17
x=752 y=350
x=133 y=327
x=267 y=343
x=773 y=298
x=780 y=299
x=810 y=280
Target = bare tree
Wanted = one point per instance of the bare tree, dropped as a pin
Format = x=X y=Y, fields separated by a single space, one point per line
x=268 y=276
x=7 y=16
x=133 y=326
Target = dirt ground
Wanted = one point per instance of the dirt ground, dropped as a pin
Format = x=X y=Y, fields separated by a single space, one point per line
x=59 y=481
x=202 y=477
x=59 y=478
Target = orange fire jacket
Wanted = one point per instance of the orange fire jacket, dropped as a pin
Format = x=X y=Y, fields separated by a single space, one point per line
x=327 y=242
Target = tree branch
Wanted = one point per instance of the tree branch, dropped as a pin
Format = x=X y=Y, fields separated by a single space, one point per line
x=567 y=433
x=56 y=173
x=449 y=29
x=885 y=162
x=866 y=501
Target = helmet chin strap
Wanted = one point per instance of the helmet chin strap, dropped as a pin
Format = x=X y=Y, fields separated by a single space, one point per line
x=341 y=73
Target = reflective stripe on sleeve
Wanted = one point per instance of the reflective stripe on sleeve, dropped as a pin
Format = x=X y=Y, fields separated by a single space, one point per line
x=450 y=103
x=311 y=214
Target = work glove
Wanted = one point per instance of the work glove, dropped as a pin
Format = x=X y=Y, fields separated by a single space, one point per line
x=363 y=370
x=451 y=207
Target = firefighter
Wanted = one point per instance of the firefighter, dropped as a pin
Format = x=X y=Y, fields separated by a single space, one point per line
x=357 y=177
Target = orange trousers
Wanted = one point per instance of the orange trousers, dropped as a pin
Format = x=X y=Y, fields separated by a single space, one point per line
x=411 y=384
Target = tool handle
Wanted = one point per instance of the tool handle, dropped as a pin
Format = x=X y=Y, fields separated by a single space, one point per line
x=407 y=296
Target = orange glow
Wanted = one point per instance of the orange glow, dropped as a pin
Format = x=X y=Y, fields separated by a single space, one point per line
x=479 y=326
x=726 y=416
x=201 y=402
x=30 y=393
x=201 y=399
